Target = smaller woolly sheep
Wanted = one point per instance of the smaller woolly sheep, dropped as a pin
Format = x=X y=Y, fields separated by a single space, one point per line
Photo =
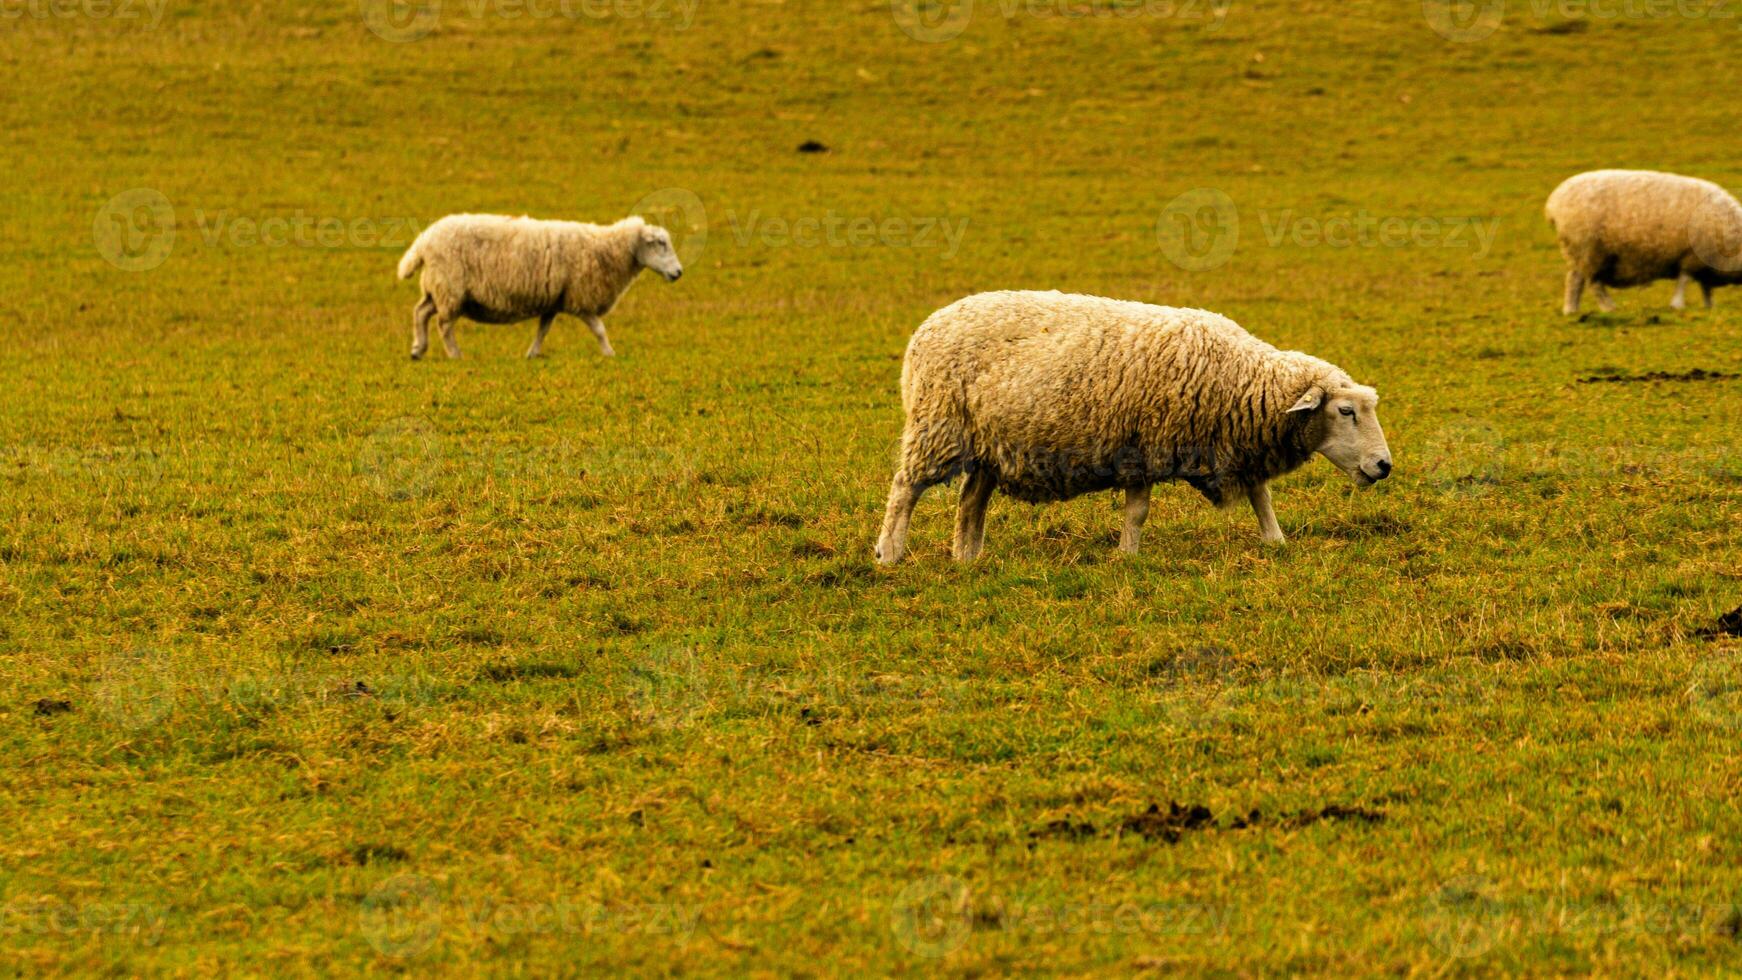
x=1633 y=227
x=495 y=269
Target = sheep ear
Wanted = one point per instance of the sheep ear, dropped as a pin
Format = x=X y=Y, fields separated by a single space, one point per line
x=1314 y=397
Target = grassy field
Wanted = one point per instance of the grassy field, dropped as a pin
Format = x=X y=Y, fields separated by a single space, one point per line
x=314 y=659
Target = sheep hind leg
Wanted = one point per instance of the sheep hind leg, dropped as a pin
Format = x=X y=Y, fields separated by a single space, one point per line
x=1604 y=303
x=537 y=348
x=1136 y=512
x=420 y=327
x=1680 y=300
x=1268 y=529
x=903 y=497
x=449 y=322
x=1575 y=291
x=1706 y=290
x=971 y=513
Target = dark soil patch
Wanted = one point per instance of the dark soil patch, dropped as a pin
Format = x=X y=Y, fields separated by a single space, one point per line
x=1335 y=813
x=812 y=549
x=812 y=146
x=503 y=673
x=1176 y=821
x=1697 y=374
x=1565 y=27
x=366 y=854
x=49 y=707
x=1729 y=624
x=1171 y=824
x=1064 y=830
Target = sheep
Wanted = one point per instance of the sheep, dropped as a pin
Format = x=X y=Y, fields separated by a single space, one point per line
x=1047 y=396
x=496 y=269
x=1633 y=227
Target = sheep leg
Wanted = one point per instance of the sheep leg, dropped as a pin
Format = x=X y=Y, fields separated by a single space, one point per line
x=1706 y=290
x=1575 y=290
x=1136 y=512
x=1604 y=303
x=1268 y=529
x=449 y=341
x=420 y=327
x=971 y=513
x=598 y=327
x=537 y=348
x=1680 y=300
x=903 y=496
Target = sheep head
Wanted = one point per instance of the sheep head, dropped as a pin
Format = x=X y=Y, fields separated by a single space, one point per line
x=654 y=250
x=1343 y=426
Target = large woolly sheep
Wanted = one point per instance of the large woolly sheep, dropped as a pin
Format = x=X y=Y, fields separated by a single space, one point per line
x=1633 y=227
x=1047 y=396
x=495 y=269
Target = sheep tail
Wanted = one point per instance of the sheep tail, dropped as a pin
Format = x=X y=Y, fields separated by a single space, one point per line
x=413 y=259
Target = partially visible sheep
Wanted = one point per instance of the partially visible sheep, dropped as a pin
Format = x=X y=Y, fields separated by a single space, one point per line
x=496 y=269
x=1047 y=396
x=1633 y=227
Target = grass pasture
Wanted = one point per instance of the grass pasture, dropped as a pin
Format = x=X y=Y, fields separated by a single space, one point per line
x=314 y=659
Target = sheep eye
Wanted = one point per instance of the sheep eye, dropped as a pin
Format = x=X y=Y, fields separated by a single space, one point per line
x=1347 y=411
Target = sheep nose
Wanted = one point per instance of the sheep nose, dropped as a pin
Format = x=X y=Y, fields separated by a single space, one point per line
x=677 y=275
x=1384 y=467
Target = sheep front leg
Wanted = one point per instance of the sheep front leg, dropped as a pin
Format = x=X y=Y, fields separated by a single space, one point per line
x=420 y=327
x=537 y=348
x=1268 y=529
x=1136 y=512
x=971 y=513
x=598 y=327
x=1706 y=290
x=1575 y=291
x=1680 y=300
x=1604 y=303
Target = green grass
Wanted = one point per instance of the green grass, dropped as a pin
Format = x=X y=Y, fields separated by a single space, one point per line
x=582 y=664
